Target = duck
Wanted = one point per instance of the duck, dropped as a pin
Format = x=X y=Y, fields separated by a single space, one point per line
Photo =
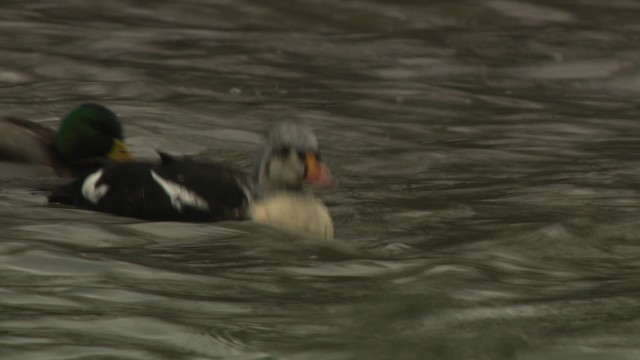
x=88 y=137
x=289 y=168
x=279 y=193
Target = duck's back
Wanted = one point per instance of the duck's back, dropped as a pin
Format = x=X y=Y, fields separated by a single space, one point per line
x=25 y=141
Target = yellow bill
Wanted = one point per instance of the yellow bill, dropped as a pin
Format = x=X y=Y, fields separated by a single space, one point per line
x=119 y=151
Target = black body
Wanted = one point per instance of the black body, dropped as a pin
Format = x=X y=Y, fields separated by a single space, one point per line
x=133 y=191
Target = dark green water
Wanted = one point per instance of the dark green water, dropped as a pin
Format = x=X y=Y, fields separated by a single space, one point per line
x=487 y=153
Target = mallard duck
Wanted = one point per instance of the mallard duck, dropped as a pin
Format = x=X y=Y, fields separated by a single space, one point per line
x=288 y=166
x=88 y=136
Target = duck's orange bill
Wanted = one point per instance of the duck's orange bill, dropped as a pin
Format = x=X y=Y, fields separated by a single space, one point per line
x=119 y=151
x=317 y=172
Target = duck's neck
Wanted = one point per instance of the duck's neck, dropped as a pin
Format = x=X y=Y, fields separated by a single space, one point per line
x=267 y=189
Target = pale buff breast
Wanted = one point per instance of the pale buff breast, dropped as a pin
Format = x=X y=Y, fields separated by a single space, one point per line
x=299 y=214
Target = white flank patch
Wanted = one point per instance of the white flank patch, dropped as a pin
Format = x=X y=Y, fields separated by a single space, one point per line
x=179 y=195
x=246 y=191
x=89 y=189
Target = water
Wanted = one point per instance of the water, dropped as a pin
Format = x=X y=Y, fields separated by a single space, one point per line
x=487 y=157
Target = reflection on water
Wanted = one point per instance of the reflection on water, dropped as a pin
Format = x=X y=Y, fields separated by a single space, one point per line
x=487 y=206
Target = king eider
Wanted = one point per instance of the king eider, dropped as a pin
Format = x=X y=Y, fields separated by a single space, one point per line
x=280 y=194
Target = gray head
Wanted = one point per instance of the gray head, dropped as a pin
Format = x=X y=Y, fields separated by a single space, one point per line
x=290 y=158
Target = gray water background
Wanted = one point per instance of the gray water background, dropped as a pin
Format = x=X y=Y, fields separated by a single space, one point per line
x=487 y=153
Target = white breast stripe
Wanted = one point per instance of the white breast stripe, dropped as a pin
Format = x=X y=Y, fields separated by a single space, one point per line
x=89 y=189
x=179 y=195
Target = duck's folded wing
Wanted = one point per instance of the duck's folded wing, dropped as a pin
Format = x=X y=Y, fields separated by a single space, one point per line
x=222 y=192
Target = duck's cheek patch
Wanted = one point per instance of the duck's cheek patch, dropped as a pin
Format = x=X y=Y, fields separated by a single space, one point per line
x=179 y=195
x=90 y=191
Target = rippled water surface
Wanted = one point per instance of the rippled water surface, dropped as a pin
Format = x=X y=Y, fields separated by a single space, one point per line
x=488 y=158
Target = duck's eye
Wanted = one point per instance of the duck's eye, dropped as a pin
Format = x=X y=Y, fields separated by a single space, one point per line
x=284 y=152
x=301 y=155
x=98 y=127
x=102 y=128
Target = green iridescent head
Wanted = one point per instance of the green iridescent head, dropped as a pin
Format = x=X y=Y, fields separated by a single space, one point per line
x=91 y=131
